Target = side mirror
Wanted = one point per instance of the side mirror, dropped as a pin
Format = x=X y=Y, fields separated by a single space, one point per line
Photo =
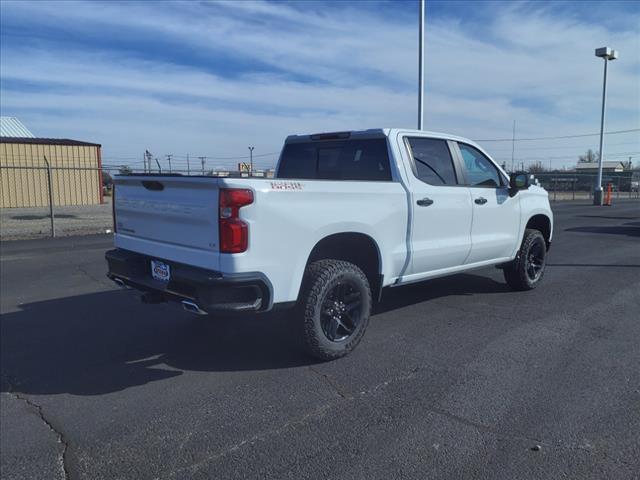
x=518 y=181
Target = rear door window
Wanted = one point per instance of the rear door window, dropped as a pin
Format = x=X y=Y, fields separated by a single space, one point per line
x=433 y=161
x=353 y=159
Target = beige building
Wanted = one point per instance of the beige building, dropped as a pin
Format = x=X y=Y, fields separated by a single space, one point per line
x=607 y=166
x=76 y=175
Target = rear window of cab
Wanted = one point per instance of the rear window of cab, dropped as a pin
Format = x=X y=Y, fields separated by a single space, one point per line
x=352 y=159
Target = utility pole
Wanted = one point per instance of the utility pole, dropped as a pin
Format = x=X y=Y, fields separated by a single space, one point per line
x=147 y=161
x=169 y=158
x=202 y=159
x=513 y=146
x=251 y=160
x=421 y=68
x=188 y=166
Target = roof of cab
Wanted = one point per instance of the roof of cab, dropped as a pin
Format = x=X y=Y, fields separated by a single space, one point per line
x=375 y=133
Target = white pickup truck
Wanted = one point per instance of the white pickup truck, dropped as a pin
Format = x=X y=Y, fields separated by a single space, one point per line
x=347 y=215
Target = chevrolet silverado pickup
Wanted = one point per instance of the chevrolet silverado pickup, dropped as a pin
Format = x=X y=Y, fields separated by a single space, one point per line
x=347 y=215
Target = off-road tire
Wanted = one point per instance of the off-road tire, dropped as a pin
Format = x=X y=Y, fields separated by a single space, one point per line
x=515 y=272
x=319 y=280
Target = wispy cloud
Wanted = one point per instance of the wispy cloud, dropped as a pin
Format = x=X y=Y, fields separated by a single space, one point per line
x=212 y=77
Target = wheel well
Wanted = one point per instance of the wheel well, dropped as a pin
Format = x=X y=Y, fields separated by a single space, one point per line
x=543 y=224
x=357 y=248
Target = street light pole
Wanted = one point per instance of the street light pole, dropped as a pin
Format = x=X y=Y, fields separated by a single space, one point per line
x=421 y=68
x=597 y=196
x=606 y=54
x=513 y=146
x=250 y=160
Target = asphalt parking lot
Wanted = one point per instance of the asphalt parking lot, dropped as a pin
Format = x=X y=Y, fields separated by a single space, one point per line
x=455 y=378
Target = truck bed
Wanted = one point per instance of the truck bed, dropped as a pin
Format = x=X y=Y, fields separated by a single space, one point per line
x=175 y=218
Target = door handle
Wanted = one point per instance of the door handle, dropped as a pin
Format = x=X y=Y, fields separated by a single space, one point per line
x=425 y=202
x=480 y=200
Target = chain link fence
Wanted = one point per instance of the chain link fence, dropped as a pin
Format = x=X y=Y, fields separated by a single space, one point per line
x=576 y=186
x=53 y=201
x=70 y=201
x=42 y=200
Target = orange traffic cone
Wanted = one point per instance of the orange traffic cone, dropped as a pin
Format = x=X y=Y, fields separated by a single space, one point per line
x=607 y=198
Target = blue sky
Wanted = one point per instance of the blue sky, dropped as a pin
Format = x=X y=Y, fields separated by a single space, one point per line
x=210 y=78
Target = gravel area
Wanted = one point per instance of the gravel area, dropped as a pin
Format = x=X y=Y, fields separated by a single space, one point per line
x=24 y=223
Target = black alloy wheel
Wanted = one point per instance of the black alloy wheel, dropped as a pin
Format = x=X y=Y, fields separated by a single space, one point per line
x=334 y=308
x=341 y=311
x=535 y=259
x=527 y=270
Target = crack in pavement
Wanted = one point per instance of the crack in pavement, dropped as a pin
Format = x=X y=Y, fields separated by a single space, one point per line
x=294 y=423
x=332 y=383
x=483 y=428
x=60 y=437
x=318 y=412
x=99 y=281
x=259 y=436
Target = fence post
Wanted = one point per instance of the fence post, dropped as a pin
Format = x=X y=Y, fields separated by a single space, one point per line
x=555 y=188
x=50 y=184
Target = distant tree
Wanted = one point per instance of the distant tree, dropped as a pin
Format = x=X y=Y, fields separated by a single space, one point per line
x=589 y=157
x=125 y=170
x=106 y=178
x=537 y=168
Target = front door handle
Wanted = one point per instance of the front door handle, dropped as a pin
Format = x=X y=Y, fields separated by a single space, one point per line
x=425 y=202
x=480 y=200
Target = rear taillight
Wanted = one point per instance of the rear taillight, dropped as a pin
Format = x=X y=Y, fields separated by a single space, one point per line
x=113 y=205
x=234 y=233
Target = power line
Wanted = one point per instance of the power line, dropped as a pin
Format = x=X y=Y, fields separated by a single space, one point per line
x=557 y=138
x=508 y=149
x=209 y=157
x=621 y=154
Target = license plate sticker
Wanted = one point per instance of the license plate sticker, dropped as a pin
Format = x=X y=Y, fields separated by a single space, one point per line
x=160 y=271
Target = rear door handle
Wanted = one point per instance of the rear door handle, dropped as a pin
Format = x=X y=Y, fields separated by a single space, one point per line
x=480 y=200
x=425 y=202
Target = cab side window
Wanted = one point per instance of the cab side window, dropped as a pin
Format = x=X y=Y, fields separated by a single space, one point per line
x=481 y=172
x=433 y=161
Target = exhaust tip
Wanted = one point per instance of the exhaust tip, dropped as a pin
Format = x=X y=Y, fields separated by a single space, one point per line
x=119 y=282
x=192 y=308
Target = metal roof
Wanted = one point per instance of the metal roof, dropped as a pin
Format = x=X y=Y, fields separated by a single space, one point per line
x=12 y=127
x=48 y=141
x=592 y=165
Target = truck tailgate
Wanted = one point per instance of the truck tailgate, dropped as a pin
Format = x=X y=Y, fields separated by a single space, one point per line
x=168 y=211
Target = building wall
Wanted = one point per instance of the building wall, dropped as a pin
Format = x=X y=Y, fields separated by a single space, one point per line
x=75 y=175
